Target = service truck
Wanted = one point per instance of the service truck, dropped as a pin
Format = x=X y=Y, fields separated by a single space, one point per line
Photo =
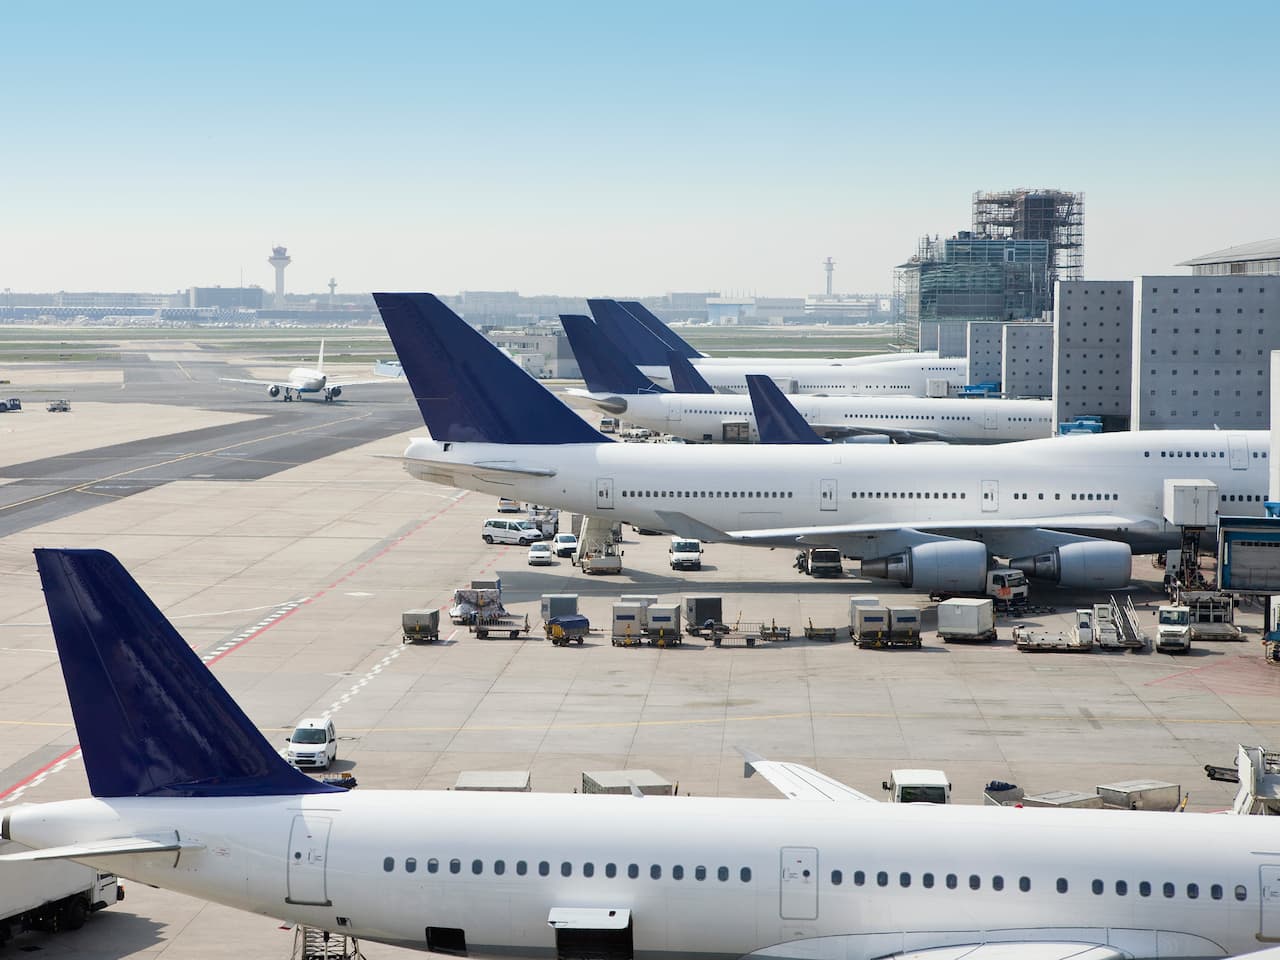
x=918 y=786
x=50 y=895
x=685 y=554
x=820 y=562
x=1173 y=629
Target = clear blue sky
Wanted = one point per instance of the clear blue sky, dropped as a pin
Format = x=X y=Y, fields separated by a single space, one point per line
x=615 y=149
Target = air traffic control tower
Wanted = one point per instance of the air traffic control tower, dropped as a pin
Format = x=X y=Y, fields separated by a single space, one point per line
x=279 y=259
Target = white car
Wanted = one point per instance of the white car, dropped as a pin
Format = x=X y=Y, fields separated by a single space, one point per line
x=314 y=744
x=540 y=554
x=565 y=544
x=509 y=506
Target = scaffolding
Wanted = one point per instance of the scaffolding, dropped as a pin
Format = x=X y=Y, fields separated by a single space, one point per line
x=1025 y=214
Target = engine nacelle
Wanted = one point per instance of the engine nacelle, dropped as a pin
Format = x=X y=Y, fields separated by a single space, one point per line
x=1102 y=564
x=335 y=393
x=952 y=566
x=273 y=391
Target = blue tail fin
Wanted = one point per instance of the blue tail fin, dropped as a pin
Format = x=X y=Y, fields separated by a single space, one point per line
x=466 y=388
x=636 y=341
x=684 y=376
x=776 y=419
x=603 y=367
x=152 y=720
x=660 y=330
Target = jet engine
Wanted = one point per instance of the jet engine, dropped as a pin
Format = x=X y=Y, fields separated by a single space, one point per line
x=333 y=393
x=955 y=566
x=1102 y=564
x=273 y=391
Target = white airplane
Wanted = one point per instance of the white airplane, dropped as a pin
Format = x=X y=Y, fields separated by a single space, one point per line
x=1067 y=509
x=189 y=796
x=617 y=387
x=904 y=375
x=310 y=380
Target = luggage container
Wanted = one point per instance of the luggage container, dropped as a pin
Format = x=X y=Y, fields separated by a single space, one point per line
x=628 y=626
x=701 y=609
x=558 y=605
x=904 y=626
x=1141 y=795
x=1064 y=798
x=622 y=781
x=966 y=618
x=662 y=627
x=420 y=625
x=493 y=781
x=870 y=626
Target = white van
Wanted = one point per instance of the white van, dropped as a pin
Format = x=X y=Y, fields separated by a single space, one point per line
x=498 y=530
x=314 y=744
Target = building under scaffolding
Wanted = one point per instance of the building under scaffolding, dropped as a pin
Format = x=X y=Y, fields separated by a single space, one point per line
x=1056 y=216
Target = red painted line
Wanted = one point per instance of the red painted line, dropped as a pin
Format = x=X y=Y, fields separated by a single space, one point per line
x=257 y=633
x=1187 y=673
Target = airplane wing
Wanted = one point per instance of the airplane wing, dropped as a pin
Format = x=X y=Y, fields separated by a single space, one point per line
x=118 y=846
x=359 y=383
x=1083 y=521
x=256 y=383
x=1015 y=950
x=798 y=782
x=837 y=431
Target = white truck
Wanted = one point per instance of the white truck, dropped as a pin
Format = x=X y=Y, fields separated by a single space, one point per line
x=50 y=895
x=1009 y=588
x=685 y=554
x=967 y=619
x=820 y=562
x=918 y=786
x=1173 y=629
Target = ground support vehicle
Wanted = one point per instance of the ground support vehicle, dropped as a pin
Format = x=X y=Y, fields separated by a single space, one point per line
x=59 y=406
x=918 y=786
x=1173 y=629
x=1116 y=626
x=567 y=628
x=740 y=633
x=1078 y=639
x=820 y=562
x=820 y=633
x=12 y=405
x=700 y=610
x=772 y=632
x=50 y=895
x=1212 y=615
x=603 y=559
x=420 y=625
x=685 y=554
x=511 y=624
x=475 y=603
x=967 y=619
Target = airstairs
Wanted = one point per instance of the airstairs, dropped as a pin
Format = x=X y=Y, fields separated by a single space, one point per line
x=312 y=943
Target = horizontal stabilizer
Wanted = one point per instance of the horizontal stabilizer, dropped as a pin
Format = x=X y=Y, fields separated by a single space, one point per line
x=797 y=782
x=116 y=847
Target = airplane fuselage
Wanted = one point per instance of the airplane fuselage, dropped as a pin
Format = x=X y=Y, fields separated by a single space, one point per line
x=702 y=417
x=898 y=378
x=757 y=488
x=704 y=876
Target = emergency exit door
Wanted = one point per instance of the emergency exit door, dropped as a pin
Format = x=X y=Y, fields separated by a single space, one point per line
x=827 y=494
x=1269 y=887
x=308 y=852
x=604 y=493
x=799 y=883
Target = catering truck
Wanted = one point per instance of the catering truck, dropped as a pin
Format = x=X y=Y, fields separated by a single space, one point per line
x=50 y=895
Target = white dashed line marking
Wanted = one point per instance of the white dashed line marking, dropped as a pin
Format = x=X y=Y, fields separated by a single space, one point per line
x=359 y=685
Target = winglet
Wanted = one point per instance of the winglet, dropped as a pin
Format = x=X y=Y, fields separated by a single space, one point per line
x=776 y=419
x=661 y=330
x=152 y=720
x=639 y=344
x=603 y=367
x=684 y=376
x=466 y=388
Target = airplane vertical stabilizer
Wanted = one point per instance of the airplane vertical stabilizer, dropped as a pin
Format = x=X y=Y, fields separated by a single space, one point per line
x=659 y=329
x=777 y=420
x=637 y=343
x=685 y=377
x=603 y=367
x=152 y=720
x=466 y=388
x=320 y=359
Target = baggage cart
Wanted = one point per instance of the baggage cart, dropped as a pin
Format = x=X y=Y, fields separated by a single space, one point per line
x=511 y=624
x=819 y=633
x=420 y=625
x=567 y=628
x=700 y=609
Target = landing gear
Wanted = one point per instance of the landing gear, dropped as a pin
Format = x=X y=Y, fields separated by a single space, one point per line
x=288 y=395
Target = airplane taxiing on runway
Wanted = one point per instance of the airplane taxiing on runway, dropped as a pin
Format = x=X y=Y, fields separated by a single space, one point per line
x=1071 y=510
x=189 y=796
x=309 y=380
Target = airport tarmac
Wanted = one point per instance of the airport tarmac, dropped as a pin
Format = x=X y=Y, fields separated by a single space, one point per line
x=290 y=582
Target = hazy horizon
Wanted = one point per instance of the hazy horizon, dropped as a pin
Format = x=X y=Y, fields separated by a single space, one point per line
x=586 y=150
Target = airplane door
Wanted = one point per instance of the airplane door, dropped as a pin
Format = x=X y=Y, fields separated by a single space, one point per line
x=604 y=493
x=990 y=496
x=1269 y=884
x=990 y=419
x=799 y=883
x=308 y=850
x=1239 y=451
x=673 y=410
x=827 y=494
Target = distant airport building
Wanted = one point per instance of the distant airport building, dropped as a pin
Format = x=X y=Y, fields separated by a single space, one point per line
x=1251 y=259
x=1026 y=359
x=96 y=300
x=1093 y=351
x=227 y=298
x=1055 y=216
x=545 y=355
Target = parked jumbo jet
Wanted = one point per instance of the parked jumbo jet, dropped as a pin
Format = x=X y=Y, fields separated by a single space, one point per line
x=616 y=386
x=907 y=375
x=1069 y=510
x=309 y=380
x=189 y=796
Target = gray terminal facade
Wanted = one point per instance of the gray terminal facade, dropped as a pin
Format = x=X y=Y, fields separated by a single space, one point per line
x=1093 y=351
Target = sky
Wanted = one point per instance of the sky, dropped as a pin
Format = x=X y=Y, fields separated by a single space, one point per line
x=614 y=149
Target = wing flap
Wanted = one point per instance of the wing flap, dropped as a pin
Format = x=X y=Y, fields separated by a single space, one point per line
x=118 y=846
